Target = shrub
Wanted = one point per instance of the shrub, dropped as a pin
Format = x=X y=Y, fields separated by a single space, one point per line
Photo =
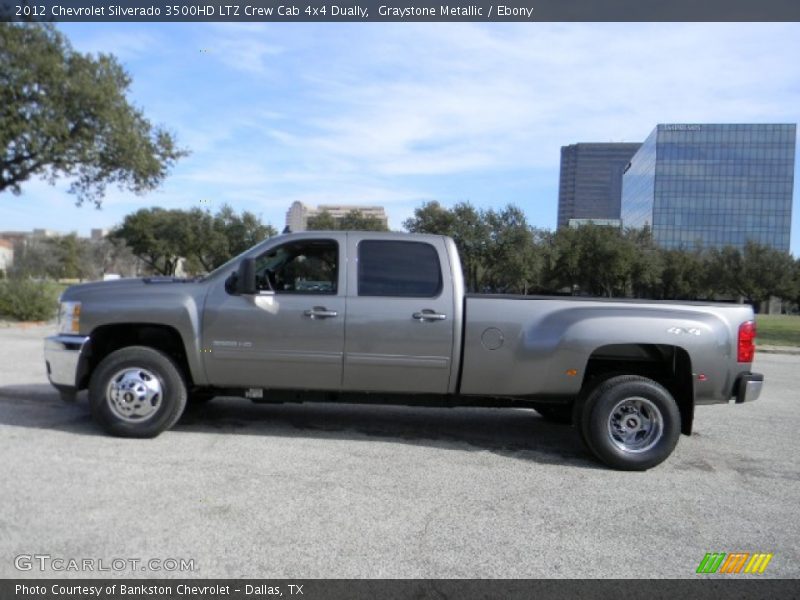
x=28 y=300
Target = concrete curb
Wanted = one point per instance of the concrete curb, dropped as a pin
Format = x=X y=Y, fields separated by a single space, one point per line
x=7 y=324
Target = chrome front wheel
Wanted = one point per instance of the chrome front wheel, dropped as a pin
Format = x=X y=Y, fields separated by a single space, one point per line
x=134 y=394
x=137 y=392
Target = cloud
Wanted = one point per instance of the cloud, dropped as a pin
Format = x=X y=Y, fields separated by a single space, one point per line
x=126 y=41
x=243 y=47
x=419 y=100
x=398 y=113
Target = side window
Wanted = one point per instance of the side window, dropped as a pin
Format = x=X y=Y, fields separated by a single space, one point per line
x=302 y=267
x=400 y=269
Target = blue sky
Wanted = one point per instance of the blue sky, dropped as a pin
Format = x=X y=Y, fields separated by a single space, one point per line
x=398 y=114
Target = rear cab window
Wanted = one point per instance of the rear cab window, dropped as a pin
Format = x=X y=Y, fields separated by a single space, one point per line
x=398 y=269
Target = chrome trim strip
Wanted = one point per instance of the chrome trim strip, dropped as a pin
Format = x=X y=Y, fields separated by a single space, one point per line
x=397 y=360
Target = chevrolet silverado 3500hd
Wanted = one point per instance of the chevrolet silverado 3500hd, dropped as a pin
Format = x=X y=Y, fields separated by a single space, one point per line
x=383 y=317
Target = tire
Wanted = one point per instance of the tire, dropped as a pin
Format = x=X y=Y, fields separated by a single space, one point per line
x=630 y=423
x=137 y=392
x=555 y=413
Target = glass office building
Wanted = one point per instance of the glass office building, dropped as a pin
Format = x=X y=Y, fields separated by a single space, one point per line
x=589 y=186
x=714 y=185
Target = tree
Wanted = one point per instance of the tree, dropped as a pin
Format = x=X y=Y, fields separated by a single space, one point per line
x=354 y=220
x=683 y=275
x=34 y=258
x=65 y=114
x=595 y=259
x=71 y=257
x=210 y=241
x=322 y=221
x=155 y=236
x=511 y=261
x=606 y=260
x=795 y=297
x=647 y=267
x=563 y=260
x=241 y=231
x=471 y=234
x=70 y=252
x=757 y=273
x=431 y=217
x=467 y=226
x=484 y=248
x=110 y=256
x=161 y=238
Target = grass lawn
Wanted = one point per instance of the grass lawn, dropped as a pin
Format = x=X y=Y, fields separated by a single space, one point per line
x=779 y=330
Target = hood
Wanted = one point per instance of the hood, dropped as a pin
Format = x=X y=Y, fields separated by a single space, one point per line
x=82 y=290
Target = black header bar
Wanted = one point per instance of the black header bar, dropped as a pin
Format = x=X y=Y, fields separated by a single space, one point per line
x=398 y=10
x=701 y=588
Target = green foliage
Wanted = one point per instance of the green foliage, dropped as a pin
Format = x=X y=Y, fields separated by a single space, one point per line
x=500 y=252
x=28 y=300
x=470 y=232
x=154 y=235
x=323 y=221
x=756 y=273
x=592 y=259
x=431 y=217
x=70 y=257
x=512 y=263
x=161 y=238
x=354 y=220
x=65 y=114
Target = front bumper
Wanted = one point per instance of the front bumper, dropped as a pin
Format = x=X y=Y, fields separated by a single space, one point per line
x=748 y=387
x=65 y=356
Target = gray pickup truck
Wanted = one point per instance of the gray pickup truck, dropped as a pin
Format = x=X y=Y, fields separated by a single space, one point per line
x=383 y=317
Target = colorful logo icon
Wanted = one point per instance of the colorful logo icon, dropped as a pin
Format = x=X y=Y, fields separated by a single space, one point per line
x=736 y=562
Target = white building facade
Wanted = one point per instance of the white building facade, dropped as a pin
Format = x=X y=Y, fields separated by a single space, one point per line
x=298 y=214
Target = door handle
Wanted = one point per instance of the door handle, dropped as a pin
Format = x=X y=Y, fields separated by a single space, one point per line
x=320 y=312
x=428 y=315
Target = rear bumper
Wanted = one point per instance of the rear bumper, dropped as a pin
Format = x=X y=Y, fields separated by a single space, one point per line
x=748 y=387
x=63 y=356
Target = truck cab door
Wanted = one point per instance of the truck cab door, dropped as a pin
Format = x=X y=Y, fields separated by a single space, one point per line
x=400 y=316
x=290 y=334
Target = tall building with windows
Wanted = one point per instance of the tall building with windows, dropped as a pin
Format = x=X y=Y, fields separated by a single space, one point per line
x=590 y=183
x=713 y=185
x=298 y=214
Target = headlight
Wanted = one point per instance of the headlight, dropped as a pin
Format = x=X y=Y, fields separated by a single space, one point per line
x=69 y=317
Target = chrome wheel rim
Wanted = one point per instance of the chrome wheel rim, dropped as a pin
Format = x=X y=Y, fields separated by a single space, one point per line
x=134 y=394
x=635 y=425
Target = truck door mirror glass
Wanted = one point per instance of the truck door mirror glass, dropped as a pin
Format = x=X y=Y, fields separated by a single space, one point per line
x=246 y=277
x=230 y=283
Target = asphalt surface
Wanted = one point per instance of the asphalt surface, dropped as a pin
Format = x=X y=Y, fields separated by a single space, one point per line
x=359 y=491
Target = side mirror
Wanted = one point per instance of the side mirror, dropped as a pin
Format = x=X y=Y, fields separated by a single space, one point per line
x=246 y=277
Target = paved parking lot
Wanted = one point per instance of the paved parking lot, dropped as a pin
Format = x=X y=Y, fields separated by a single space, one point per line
x=358 y=491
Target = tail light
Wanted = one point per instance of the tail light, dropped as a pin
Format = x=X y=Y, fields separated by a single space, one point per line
x=747 y=342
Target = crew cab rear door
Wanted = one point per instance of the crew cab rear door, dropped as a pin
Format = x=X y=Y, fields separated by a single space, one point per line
x=400 y=315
